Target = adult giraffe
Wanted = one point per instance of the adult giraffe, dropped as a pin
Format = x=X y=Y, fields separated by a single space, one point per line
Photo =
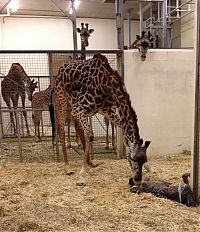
x=92 y=86
x=85 y=33
x=16 y=84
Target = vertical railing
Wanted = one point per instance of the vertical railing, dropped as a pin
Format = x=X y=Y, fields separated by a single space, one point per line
x=196 y=148
x=53 y=102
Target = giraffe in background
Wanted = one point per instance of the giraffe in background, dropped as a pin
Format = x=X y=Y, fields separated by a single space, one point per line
x=84 y=35
x=41 y=101
x=92 y=86
x=16 y=84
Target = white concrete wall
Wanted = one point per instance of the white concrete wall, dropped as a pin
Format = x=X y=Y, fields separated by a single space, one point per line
x=55 y=34
x=162 y=93
x=187 y=27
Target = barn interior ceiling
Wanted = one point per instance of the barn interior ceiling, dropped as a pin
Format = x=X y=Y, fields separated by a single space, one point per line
x=60 y=8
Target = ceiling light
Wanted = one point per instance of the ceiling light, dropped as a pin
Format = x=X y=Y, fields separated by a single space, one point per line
x=13 y=5
x=76 y=4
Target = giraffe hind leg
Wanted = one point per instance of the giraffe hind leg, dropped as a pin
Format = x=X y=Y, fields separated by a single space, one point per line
x=79 y=114
x=107 y=131
x=113 y=136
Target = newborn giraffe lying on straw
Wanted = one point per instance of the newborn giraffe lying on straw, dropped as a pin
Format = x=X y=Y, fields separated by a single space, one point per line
x=181 y=193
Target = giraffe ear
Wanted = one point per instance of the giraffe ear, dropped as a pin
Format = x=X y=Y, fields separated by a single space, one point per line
x=143 y=34
x=137 y=37
x=140 y=142
x=91 y=31
x=147 y=143
x=78 y=30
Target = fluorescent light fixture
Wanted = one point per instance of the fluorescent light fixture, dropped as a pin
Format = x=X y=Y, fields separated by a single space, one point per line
x=76 y=4
x=13 y=5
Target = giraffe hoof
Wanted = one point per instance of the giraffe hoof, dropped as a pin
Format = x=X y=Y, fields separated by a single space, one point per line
x=93 y=165
x=80 y=184
x=81 y=181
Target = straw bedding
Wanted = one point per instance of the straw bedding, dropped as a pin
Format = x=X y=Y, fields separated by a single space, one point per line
x=38 y=196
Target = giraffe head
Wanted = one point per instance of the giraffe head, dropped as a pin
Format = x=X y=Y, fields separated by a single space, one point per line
x=137 y=157
x=30 y=88
x=143 y=43
x=84 y=34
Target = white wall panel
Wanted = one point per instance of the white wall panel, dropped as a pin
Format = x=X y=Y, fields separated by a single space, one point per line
x=162 y=93
x=55 y=34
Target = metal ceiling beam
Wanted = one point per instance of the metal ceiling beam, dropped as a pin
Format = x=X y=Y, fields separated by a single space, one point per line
x=64 y=12
x=74 y=24
x=4 y=6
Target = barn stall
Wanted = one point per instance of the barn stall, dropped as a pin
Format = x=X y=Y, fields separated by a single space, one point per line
x=43 y=68
x=36 y=195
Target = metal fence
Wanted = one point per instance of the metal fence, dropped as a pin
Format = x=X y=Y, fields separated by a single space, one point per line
x=43 y=66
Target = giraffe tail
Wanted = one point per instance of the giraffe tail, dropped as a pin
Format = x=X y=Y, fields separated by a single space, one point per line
x=52 y=119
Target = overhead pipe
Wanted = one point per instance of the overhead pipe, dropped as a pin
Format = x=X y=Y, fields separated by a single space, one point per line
x=196 y=148
x=129 y=27
x=74 y=24
x=164 y=24
x=119 y=23
x=8 y=13
x=4 y=6
x=141 y=17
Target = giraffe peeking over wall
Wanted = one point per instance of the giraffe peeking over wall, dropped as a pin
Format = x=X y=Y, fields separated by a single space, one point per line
x=142 y=43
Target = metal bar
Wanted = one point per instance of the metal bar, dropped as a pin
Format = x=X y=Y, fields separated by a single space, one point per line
x=182 y=16
x=119 y=23
x=151 y=17
x=59 y=51
x=5 y=5
x=53 y=102
x=195 y=160
x=129 y=27
x=179 y=6
x=164 y=24
x=21 y=109
x=74 y=24
x=19 y=136
x=22 y=124
x=65 y=13
x=1 y=123
x=141 y=17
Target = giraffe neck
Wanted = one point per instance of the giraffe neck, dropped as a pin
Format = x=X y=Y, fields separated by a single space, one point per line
x=126 y=112
x=83 y=56
x=129 y=124
x=19 y=74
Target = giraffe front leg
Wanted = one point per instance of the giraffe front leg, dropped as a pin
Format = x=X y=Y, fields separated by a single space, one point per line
x=25 y=117
x=60 y=117
x=107 y=130
x=12 y=123
x=68 y=134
